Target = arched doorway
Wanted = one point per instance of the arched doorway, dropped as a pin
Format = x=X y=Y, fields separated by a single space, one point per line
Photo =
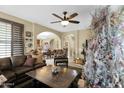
x=52 y=39
x=69 y=42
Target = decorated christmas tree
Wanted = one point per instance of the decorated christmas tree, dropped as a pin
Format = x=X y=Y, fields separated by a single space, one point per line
x=104 y=65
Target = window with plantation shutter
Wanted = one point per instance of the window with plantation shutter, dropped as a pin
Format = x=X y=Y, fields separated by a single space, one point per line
x=11 y=38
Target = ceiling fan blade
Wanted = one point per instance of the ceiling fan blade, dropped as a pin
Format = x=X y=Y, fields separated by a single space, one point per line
x=57 y=16
x=55 y=22
x=73 y=15
x=73 y=21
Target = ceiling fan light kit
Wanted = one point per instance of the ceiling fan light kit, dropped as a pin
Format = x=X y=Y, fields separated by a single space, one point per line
x=64 y=23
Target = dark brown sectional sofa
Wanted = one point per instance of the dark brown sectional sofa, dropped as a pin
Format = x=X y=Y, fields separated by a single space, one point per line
x=14 y=70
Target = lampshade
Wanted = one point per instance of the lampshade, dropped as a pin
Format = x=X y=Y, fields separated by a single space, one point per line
x=64 y=23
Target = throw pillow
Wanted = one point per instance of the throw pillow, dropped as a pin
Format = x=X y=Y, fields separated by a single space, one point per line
x=29 y=62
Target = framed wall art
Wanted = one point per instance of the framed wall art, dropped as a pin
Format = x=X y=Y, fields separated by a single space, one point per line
x=28 y=34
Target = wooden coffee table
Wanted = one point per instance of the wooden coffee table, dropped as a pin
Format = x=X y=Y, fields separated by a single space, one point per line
x=62 y=80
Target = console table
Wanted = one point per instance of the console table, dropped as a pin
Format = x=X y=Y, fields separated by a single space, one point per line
x=60 y=60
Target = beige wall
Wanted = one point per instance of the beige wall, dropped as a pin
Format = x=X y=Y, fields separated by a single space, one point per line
x=29 y=26
x=83 y=36
x=80 y=37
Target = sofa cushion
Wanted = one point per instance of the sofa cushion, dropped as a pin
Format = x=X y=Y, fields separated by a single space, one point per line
x=18 y=60
x=39 y=65
x=5 y=63
x=22 y=70
x=29 y=62
x=9 y=74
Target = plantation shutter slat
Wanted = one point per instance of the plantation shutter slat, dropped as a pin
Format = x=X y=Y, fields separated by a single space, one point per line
x=11 y=38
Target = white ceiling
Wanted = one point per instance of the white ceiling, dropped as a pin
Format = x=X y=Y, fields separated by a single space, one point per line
x=41 y=14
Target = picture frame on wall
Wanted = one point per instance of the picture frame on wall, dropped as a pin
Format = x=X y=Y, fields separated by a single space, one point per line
x=28 y=34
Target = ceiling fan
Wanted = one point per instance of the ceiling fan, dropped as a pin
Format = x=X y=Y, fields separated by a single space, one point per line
x=66 y=20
